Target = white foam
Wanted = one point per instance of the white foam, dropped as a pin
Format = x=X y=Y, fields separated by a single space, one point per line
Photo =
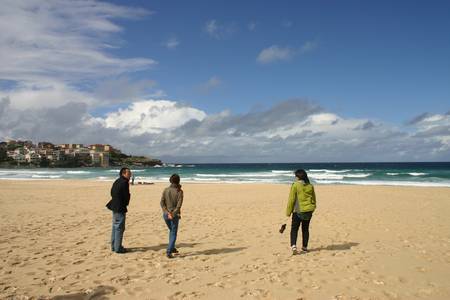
x=78 y=172
x=282 y=172
x=392 y=174
x=330 y=171
x=326 y=176
x=417 y=174
x=46 y=176
x=358 y=175
x=388 y=183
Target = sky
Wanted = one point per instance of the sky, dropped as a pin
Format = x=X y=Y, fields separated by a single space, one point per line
x=230 y=81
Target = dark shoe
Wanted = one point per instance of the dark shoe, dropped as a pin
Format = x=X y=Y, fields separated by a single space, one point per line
x=175 y=251
x=122 y=251
x=304 y=249
x=170 y=256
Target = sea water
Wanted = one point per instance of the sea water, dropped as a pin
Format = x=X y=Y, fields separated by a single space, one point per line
x=401 y=174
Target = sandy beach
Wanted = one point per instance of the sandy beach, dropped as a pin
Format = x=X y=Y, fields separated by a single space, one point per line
x=367 y=242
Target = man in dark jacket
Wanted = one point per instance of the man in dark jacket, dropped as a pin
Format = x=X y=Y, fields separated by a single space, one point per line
x=120 y=198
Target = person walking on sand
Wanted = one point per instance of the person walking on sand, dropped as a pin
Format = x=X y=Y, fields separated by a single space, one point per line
x=120 y=198
x=171 y=201
x=301 y=204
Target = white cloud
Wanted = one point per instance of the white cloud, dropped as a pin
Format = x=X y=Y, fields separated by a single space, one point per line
x=172 y=43
x=152 y=116
x=275 y=53
x=51 y=48
x=218 y=30
x=62 y=39
x=290 y=131
x=212 y=83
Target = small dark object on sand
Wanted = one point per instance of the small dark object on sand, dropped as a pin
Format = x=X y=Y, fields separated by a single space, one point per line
x=283 y=227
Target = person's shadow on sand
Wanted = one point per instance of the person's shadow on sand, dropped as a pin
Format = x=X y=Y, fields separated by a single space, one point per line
x=160 y=247
x=99 y=293
x=214 y=251
x=335 y=247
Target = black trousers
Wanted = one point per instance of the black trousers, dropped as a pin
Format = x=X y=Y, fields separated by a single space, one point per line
x=296 y=221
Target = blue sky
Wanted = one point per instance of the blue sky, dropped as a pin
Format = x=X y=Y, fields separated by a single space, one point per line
x=226 y=81
x=385 y=59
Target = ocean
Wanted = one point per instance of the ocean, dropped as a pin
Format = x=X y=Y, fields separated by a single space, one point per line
x=393 y=174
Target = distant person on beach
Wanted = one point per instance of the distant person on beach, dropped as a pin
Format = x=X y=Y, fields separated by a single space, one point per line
x=301 y=204
x=120 y=198
x=171 y=201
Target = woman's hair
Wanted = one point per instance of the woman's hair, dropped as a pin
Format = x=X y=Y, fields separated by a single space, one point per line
x=301 y=175
x=175 y=179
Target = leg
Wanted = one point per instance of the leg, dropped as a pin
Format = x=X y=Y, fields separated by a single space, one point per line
x=172 y=235
x=119 y=228
x=113 y=231
x=305 y=233
x=294 y=229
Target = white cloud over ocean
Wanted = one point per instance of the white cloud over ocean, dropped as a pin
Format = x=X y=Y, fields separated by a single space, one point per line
x=293 y=130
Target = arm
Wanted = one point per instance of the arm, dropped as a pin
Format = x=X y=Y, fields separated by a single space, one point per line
x=314 y=196
x=163 y=202
x=291 y=200
x=127 y=193
x=180 y=197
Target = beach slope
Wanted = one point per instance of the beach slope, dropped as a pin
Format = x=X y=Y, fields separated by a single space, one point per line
x=367 y=242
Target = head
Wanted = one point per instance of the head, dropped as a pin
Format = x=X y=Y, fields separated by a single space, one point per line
x=175 y=179
x=125 y=172
x=301 y=175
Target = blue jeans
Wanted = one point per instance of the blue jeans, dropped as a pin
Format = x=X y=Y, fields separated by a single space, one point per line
x=173 y=230
x=118 y=227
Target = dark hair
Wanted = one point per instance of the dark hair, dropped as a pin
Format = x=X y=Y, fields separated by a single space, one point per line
x=175 y=179
x=301 y=174
x=122 y=171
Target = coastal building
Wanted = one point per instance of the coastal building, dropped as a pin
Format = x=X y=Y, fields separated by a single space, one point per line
x=100 y=158
x=100 y=147
x=71 y=146
x=45 y=145
x=32 y=157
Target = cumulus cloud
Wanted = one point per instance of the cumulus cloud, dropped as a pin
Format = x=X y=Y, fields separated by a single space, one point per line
x=293 y=130
x=152 y=116
x=171 y=43
x=219 y=31
x=277 y=53
x=212 y=83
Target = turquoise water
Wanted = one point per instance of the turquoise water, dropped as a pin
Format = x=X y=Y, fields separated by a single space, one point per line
x=402 y=174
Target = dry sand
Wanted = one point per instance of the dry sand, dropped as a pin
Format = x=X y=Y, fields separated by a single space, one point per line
x=366 y=243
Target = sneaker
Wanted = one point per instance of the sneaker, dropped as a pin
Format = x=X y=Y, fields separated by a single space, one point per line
x=175 y=251
x=170 y=256
x=294 y=250
x=304 y=249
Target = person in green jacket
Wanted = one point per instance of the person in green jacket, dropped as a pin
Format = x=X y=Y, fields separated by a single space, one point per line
x=301 y=204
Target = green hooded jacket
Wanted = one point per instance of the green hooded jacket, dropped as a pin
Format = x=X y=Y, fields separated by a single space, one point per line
x=302 y=198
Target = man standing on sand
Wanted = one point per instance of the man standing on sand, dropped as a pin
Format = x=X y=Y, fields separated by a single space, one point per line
x=120 y=198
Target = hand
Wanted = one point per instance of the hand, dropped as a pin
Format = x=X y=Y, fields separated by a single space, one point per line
x=169 y=216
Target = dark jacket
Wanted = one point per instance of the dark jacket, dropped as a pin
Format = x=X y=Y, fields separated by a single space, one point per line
x=172 y=199
x=120 y=195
